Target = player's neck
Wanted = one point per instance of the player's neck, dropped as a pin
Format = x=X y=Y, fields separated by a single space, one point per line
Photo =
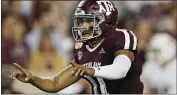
x=94 y=43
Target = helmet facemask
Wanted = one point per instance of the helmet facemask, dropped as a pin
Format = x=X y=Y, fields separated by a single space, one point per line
x=83 y=34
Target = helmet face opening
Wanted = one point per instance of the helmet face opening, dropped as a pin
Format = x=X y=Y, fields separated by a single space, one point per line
x=85 y=33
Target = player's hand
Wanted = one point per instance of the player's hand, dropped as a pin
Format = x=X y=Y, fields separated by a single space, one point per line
x=23 y=75
x=81 y=70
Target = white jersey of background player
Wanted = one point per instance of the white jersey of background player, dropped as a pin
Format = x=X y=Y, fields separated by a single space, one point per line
x=159 y=71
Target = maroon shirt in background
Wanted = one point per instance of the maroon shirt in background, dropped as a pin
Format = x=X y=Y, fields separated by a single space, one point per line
x=104 y=55
x=5 y=48
x=12 y=53
x=19 y=54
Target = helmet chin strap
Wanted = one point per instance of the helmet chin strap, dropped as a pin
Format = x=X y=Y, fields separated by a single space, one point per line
x=93 y=42
x=101 y=36
x=110 y=30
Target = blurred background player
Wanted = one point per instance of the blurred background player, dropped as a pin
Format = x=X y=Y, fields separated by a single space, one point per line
x=159 y=74
x=143 y=18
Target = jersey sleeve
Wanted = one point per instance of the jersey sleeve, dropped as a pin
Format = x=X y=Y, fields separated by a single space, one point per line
x=126 y=40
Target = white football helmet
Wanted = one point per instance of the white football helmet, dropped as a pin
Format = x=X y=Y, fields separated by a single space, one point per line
x=162 y=48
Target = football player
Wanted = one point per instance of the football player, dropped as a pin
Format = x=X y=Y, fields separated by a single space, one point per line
x=104 y=56
x=159 y=71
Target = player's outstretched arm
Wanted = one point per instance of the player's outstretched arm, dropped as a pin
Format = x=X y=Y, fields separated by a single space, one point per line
x=117 y=70
x=59 y=82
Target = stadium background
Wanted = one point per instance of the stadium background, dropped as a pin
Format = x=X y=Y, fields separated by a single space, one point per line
x=37 y=34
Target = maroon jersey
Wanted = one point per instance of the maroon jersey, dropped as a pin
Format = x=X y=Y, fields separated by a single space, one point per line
x=103 y=54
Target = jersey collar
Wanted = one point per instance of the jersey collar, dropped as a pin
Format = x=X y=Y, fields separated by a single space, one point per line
x=93 y=49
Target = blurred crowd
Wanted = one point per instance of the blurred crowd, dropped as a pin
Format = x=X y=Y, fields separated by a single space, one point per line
x=37 y=34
